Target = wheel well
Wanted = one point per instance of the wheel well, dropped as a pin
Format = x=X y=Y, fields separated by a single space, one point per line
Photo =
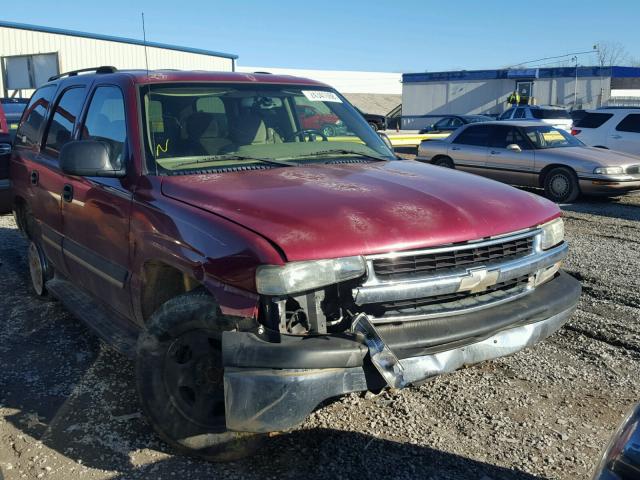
x=162 y=282
x=19 y=209
x=548 y=168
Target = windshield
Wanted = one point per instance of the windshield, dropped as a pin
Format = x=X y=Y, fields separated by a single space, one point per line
x=549 y=113
x=204 y=127
x=549 y=137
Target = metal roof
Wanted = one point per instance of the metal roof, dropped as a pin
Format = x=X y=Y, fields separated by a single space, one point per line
x=109 y=38
x=522 y=73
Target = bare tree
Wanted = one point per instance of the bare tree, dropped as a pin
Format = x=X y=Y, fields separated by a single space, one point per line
x=611 y=53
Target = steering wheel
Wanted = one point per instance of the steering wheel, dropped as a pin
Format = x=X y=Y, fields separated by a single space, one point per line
x=306 y=135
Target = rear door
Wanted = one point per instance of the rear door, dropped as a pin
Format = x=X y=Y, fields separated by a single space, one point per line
x=625 y=137
x=469 y=149
x=510 y=166
x=45 y=175
x=95 y=211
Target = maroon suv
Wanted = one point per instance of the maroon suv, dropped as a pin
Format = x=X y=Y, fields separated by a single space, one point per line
x=254 y=267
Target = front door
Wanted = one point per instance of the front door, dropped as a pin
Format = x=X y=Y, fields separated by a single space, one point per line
x=625 y=136
x=525 y=90
x=469 y=149
x=509 y=165
x=95 y=211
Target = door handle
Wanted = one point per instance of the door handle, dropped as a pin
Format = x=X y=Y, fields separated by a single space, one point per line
x=616 y=136
x=493 y=152
x=34 y=177
x=67 y=192
x=455 y=148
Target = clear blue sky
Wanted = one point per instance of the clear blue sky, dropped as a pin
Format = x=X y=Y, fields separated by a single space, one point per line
x=400 y=36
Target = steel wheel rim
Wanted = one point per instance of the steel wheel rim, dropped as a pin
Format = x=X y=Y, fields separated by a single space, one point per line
x=36 y=269
x=559 y=185
x=193 y=377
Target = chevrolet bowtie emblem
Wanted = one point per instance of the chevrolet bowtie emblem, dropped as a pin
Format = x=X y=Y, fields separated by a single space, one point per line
x=478 y=280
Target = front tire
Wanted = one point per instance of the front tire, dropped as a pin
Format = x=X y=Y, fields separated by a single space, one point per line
x=328 y=131
x=445 y=162
x=179 y=377
x=374 y=126
x=561 y=185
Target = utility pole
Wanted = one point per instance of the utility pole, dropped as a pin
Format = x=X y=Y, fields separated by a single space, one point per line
x=575 y=85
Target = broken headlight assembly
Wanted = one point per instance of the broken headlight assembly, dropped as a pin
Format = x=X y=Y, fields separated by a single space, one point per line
x=552 y=234
x=295 y=277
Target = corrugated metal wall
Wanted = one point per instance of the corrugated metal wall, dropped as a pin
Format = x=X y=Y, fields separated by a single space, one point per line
x=490 y=96
x=79 y=52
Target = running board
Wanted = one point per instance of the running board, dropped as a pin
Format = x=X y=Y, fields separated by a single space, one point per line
x=111 y=327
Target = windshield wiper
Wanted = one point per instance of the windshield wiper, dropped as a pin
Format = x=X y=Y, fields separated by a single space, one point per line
x=343 y=151
x=213 y=158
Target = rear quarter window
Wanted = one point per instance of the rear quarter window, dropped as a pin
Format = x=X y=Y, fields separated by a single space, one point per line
x=631 y=123
x=593 y=120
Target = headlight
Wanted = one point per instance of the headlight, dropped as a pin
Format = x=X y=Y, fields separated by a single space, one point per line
x=300 y=276
x=552 y=233
x=609 y=170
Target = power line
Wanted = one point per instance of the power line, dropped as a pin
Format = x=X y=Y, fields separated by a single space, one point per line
x=552 y=58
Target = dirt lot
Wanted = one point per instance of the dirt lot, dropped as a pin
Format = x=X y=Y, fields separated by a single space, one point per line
x=68 y=407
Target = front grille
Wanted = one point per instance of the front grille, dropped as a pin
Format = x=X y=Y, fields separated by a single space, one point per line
x=443 y=301
x=429 y=263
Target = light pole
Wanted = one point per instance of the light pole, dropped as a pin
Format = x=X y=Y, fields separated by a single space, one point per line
x=575 y=85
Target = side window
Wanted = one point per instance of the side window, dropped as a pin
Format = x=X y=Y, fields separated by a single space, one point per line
x=456 y=123
x=63 y=119
x=477 y=135
x=105 y=122
x=593 y=120
x=30 y=129
x=440 y=124
x=631 y=123
x=520 y=113
x=503 y=136
x=506 y=115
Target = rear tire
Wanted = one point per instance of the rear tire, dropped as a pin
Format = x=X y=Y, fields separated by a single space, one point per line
x=445 y=162
x=179 y=376
x=328 y=131
x=374 y=126
x=39 y=269
x=561 y=185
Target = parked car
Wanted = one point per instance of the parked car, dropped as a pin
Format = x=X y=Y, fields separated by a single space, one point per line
x=311 y=119
x=621 y=458
x=197 y=226
x=10 y=112
x=394 y=118
x=613 y=128
x=453 y=122
x=557 y=117
x=535 y=154
x=375 y=121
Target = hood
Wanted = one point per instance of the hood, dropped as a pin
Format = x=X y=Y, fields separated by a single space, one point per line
x=327 y=211
x=585 y=159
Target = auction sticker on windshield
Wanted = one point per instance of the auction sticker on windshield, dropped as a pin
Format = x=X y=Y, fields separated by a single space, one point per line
x=321 y=96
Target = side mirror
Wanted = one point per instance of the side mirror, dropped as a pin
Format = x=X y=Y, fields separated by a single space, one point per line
x=621 y=458
x=5 y=148
x=386 y=140
x=89 y=158
x=514 y=147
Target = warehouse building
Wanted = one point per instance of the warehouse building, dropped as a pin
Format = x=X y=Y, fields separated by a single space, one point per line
x=486 y=91
x=30 y=54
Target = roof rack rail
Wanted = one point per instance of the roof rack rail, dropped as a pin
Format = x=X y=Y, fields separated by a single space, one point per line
x=73 y=73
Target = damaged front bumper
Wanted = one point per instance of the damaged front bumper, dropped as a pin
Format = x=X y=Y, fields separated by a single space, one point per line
x=273 y=386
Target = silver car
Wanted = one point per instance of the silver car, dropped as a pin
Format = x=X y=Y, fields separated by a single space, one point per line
x=535 y=154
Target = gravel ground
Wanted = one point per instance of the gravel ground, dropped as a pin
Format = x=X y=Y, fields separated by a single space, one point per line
x=68 y=407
